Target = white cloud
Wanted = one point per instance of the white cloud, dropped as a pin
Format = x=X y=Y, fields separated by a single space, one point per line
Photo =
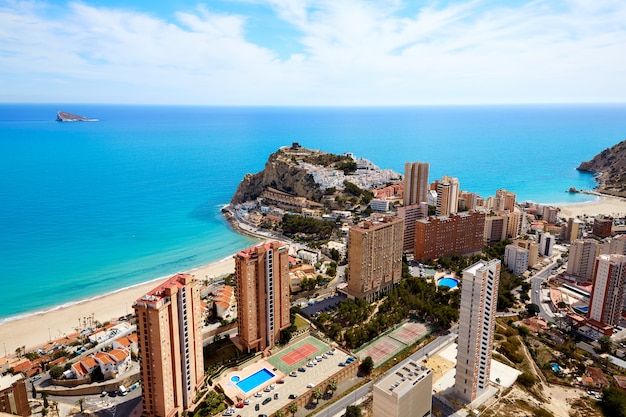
x=355 y=52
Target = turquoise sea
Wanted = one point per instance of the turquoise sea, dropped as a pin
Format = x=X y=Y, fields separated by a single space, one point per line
x=88 y=208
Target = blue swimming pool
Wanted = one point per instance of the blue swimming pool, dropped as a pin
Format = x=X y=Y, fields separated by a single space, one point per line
x=235 y=378
x=253 y=381
x=583 y=309
x=448 y=282
x=556 y=367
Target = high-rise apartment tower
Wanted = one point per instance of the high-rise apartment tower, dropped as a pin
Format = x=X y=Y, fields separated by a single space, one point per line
x=477 y=319
x=169 y=332
x=415 y=183
x=607 y=293
x=262 y=274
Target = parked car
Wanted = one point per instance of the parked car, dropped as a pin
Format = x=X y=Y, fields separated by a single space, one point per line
x=301 y=369
x=309 y=385
x=276 y=396
x=293 y=373
x=292 y=396
x=267 y=400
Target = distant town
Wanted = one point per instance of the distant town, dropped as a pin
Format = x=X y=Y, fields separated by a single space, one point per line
x=374 y=293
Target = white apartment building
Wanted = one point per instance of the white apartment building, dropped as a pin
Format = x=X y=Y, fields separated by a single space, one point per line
x=405 y=393
x=479 y=295
x=516 y=259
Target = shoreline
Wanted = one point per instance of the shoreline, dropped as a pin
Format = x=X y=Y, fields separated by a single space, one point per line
x=29 y=329
x=38 y=328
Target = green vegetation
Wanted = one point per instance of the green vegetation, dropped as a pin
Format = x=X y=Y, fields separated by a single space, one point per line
x=212 y=405
x=367 y=366
x=55 y=372
x=613 y=402
x=306 y=228
x=353 y=411
x=526 y=379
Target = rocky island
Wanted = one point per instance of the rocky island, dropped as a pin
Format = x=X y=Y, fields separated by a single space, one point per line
x=610 y=169
x=63 y=116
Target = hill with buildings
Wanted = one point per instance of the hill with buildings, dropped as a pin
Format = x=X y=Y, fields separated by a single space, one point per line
x=295 y=173
x=610 y=165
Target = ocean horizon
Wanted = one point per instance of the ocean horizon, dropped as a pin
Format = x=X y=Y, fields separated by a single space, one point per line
x=92 y=208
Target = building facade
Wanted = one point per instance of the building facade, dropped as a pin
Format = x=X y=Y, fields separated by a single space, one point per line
x=495 y=229
x=546 y=243
x=607 y=293
x=602 y=226
x=410 y=214
x=575 y=229
x=406 y=393
x=479 y=295
x=532 y=248
x=374 y=257
x=516 y=259
x=415 y=183
x=448 y=190
x=449 y=235
x=13 y=395
x=262 y=274
x=582 y=258
x=169 y=330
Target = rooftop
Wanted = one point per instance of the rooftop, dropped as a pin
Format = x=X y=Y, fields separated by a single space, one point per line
x=409 y=374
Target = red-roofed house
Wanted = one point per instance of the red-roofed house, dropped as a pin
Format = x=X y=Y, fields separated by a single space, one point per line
x=599 y=379
x=620 y=382
x=23 y=366
x=127 y=342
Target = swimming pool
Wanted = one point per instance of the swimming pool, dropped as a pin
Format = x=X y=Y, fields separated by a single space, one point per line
x=235 y=378
x=582 y=309
x=556 y=367
x=253 y=381
x=448 y=282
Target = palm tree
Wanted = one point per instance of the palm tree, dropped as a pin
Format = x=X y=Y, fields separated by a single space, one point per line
x=293 y=408
x=317 y=394
x=332 y=386
x=280 y=413
x=80 y=403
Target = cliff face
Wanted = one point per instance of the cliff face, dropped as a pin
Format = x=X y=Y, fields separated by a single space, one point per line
x=610 y=164
x=281 y=173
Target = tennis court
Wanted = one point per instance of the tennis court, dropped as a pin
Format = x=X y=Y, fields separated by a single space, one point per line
x=381 y=350
x=409 y=333
x=297 y=355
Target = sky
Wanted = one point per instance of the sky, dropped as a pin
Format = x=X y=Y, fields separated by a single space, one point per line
x=313 y=53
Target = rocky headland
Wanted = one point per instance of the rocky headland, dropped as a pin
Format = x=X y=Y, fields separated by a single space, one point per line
x=610 y=169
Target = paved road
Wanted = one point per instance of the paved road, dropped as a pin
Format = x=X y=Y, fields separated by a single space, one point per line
x=536 y=295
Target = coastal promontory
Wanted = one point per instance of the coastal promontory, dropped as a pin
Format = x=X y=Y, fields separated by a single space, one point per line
x=610 y=167
x=297 y=172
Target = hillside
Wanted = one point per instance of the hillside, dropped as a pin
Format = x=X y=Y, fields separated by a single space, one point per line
x=313 y=175
x=610 y=165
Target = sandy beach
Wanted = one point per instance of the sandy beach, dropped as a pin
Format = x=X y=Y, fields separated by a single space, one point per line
x=607 y=205
x=38 y=329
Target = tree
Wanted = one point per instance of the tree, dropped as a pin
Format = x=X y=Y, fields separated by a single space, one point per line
x=317 y=394
x=526 y=379
x=332 y=386
x=44 y=396
x=293 y=408
x=606 y=344
x=367 y=366
x=613 y=402
x=533 y=309
x=280 y=413
x=55 y=372
x=81 y=404
x=353 y=411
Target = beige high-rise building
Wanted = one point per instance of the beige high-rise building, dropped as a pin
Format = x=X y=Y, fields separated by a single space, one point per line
x=415 y=183
x=477 y=319
x=468 y=200
x=607 y=293
x=582 y=258
x=262 y=274
x=374 y=256
x=406 y=393
x=410 y=214
x=169 y=332
x=575 y=228
x=448 y=196
x=495 y=229
x=505 y=200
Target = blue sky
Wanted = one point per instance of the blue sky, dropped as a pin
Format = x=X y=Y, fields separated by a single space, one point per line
x=305 y=52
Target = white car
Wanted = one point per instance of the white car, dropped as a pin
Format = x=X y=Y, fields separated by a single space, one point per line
x=309 y=385
x=258 y=394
